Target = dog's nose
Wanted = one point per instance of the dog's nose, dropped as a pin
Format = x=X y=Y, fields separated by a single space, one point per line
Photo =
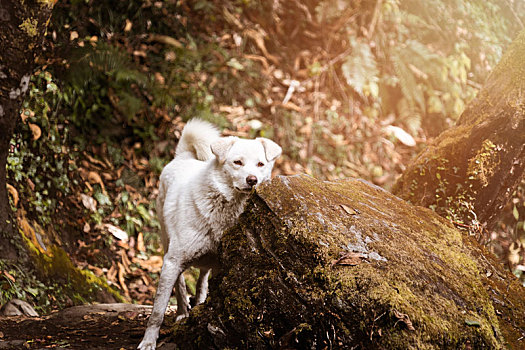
x=251 y=180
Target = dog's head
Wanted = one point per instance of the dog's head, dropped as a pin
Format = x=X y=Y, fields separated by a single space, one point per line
x=246 y=163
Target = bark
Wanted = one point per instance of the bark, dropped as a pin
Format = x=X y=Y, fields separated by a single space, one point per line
x=23 y=26
x=470 y=172
x=347 y=265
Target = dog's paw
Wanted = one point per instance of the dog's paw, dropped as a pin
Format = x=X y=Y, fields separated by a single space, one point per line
x=146 y=344
x=181 y=316
x=149 y=341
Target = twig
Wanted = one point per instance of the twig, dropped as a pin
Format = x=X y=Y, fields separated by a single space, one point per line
x=295 y=84
x=373 y=22
x=516 y=17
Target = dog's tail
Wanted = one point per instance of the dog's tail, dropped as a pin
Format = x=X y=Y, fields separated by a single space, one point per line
x=196 y=139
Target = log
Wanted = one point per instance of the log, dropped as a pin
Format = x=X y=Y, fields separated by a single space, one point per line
x=345 y=264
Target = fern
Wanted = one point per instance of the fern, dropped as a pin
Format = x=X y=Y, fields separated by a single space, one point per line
x=104 y=60
x=360 y=68
x=407 y=81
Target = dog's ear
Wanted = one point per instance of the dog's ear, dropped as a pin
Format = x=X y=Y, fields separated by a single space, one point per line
x=271 y=149
x=221 y=147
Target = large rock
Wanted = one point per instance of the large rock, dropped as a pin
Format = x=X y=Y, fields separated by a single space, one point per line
x=348 y=265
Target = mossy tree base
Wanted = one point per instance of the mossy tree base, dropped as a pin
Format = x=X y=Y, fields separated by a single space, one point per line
x=470 y=171
x=345 y=264
x=52 y=263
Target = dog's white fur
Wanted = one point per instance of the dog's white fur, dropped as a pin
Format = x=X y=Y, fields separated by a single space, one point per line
x=202 y=193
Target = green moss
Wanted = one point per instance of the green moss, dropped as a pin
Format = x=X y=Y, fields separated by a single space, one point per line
x=29 y=26
x=483 y=165
x=512 y=62
x=54 y=263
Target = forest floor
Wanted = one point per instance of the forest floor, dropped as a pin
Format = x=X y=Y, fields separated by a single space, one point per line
x=327 y=129
x=101 y=326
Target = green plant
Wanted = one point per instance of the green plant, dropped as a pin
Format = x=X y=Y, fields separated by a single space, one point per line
x=39 y=164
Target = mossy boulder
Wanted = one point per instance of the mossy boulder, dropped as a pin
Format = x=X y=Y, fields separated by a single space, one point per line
x=343 y=264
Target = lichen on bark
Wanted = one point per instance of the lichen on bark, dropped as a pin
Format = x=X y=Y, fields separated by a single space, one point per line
x=412 y=283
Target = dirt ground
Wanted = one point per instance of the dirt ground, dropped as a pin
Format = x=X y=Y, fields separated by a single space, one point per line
x=102 y=326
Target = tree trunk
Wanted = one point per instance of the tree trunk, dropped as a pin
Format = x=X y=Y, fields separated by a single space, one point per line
x=470 y=171
x=341 y=265
x=23 y=26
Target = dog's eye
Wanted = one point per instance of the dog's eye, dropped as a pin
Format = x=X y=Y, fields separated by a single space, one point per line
x=237 y=162
x=260 y=164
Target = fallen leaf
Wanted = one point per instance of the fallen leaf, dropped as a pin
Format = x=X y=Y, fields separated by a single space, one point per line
x=140 y=242
x=117 y=232
x=153 y=264
x=121 y=280
x=94 y=161
x=349 y=259
x=145 y=280
x=139 y=53
x=401 y=135
x=514 y=254
x=14 y=193
x=349 y=210
x=31 y=184
x=35 y=129
x=405 y=319
x=89 y=202
x=125 y=261
x=9 y=276
x=159 y=78
x=73 y=35
x=96 y=270
x=94 y=177
x=168 y=40
x=261 y=59
x=258 y=37
x=128 y=25
x=111 y=274
x=292 y=106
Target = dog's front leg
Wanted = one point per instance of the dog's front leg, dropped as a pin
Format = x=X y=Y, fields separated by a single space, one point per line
x=171 y=269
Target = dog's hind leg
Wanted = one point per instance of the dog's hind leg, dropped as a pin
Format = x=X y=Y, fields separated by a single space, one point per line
x=183 y=304
x=171 y=269
x=202 y=286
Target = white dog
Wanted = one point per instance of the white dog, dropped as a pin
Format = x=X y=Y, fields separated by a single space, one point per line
x=202 y=193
